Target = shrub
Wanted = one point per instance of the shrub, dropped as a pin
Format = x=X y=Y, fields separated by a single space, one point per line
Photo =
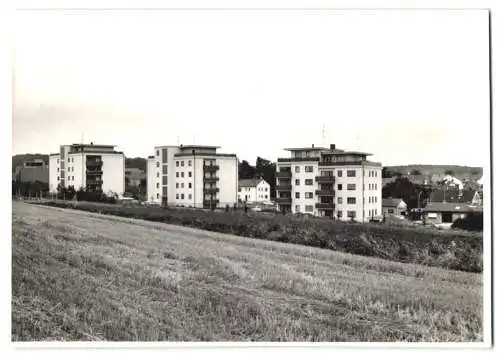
x=472 y=222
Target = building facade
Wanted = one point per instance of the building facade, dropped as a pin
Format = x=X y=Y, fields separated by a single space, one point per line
x=97 y=168
x=33 y=171
x=254 y=191
x=393 y=207
x=329 y=182
x=192 y=176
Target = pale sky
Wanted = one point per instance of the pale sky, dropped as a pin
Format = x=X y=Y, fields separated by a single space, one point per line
x=408 y=86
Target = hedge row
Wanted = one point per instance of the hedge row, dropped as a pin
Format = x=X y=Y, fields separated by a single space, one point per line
x=447 y=249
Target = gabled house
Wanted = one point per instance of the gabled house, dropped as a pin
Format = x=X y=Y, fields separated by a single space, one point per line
x=254 y=191
x=448 y=212
x=393 y=207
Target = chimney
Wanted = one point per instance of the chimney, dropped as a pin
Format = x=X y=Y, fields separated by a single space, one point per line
x=313 y=146
x=91 y=143
x=332 y=146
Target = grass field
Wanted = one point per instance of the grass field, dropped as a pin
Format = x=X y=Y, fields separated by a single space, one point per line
x=453 y=249
x=83 y=276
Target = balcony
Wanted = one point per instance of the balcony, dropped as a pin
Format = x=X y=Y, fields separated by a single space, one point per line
x=325 y=179
x=284 y=200
x=329 y=205
x=328 y=192
x=284 y=174
x=284 y=187
x=211 y=168
x=94 y=172
x=94 y=182
x=210 y=190
x=211 y=179
x=213 y=202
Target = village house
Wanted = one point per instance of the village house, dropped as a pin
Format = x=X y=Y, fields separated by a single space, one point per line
x=254 y=191
x=446 y=213
x=393 y=207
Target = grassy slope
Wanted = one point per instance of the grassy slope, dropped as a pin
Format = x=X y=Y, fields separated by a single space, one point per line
x=81 y=276
x=459 y=250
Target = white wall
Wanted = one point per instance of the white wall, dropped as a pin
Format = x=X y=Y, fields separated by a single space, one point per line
x=153 y=192
x=53 y=173
x=250 y=192
x=228 y=180
x=263 y=189
x=302 y=188
x=113 y=173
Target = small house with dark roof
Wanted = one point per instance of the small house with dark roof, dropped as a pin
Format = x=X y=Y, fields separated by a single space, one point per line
x=448 y=212
x=254 y=190
x=393 y=207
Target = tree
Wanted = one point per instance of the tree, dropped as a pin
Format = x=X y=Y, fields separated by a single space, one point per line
x=449 y=172
x=245 y=170
x=406 y=190
x=416 y=172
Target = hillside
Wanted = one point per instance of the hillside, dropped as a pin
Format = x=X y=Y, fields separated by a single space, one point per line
x=18 y=160
x=84 y=276
x=459 y=171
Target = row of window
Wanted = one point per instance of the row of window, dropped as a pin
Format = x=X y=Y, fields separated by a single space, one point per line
x=306 y=195
x=350 y=173
x=372 y=199
x=307 y=208
x=372 y=186
x=308 y=182
x=248 y=189
x=70 y=178
x=350 y=214
x=182 y=163
x=372 y=212
x=181 y=196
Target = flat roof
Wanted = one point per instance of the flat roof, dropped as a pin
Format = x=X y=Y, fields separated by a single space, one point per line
x=341 y=153
x=96 y=145
x=198 y=147
x=309 y=148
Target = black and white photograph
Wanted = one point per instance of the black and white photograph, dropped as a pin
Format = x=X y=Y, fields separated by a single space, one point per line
x=251 y=176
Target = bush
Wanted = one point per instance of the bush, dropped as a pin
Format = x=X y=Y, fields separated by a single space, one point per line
x=472 y=222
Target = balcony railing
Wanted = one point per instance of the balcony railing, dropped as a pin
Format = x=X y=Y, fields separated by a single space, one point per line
x=94 y=172
x=283 y=187
x=284 y=174
x=325 y=179
x=210 y=179
x=284 y=200
x=329 y=205
x=94 y=182
x=210 y=190
x=327 y=192
x=211 y=168
x=212 y=202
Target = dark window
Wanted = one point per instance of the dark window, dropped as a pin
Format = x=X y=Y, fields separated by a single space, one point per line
x=297 y=194
x=309 y=182
x=182 y=174
x=339 y=187
x=164 y=155
x=351 y=173
x=189 y=185
x=176 y=174
x=447 y=218
x=351 y=200
x=165 y=180
x=182 y=163
x=165 y=189
x=309 y=169
x=157 y=185
x=182 y=196
x=189 y=163
x=190 y=174
x=165 y=169
x=297 y=182
x=339 y=214
x=339 y=173
x=176 y=185
x=390 y=210
x=339 y=200
x=351 y=214
x=351 y=186
x=177 y=163
x=157 y=164
x=157 y=195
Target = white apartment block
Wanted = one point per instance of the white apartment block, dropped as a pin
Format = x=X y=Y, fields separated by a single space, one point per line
x=92 y=167
x=254 y=191
x=329 y=182
x=192 y=176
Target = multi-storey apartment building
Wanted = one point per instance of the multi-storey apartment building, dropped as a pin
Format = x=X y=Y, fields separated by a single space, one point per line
x=329 y=182
x=192 y=176
x=33 y=171
x=92 y=167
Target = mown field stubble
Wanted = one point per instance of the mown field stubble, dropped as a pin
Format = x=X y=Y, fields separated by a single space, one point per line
x=83 y=276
